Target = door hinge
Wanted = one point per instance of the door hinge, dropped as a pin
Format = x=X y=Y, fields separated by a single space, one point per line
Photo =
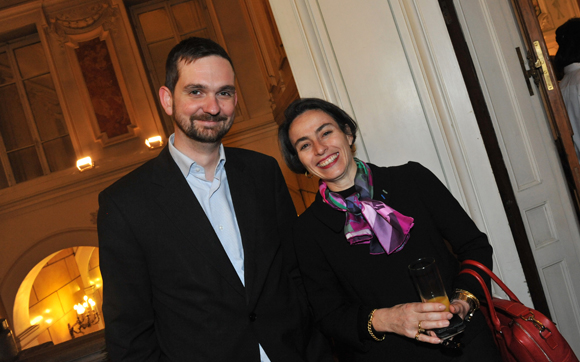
x=541 y=63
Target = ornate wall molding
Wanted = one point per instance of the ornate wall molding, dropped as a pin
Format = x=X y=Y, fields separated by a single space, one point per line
x=82 y=19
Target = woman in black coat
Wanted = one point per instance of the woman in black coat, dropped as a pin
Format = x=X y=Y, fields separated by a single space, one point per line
x=367 y=224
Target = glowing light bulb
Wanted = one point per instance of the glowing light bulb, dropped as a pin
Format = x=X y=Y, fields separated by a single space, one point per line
x=154 y=142
x=80 y=309
x=85 y=164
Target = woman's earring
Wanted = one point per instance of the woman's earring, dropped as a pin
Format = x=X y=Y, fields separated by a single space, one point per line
x=307 y=174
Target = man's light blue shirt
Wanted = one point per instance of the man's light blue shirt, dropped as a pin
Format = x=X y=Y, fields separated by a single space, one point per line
x=216 y=201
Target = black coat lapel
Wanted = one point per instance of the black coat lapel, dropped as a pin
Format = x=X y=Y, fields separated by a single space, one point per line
x=246 y=195
x=329 y=216
x=181 y=206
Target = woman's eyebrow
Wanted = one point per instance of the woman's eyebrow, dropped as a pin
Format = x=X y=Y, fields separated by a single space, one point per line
x=323 y=126
x=300 y=140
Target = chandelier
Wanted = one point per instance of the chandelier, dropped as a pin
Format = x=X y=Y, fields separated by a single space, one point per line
x=86 y=316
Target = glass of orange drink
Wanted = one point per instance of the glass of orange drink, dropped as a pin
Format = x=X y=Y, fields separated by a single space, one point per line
x=428 y=281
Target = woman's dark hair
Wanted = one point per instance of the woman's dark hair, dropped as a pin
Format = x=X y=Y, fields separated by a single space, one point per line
x=295 y=109
x=189 y=50
x=568 y=39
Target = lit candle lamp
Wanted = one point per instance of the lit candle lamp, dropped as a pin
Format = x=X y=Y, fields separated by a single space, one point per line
x=92 y=303
x=80 y=309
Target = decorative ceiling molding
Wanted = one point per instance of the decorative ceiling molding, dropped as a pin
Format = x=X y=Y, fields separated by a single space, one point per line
x=82 y=19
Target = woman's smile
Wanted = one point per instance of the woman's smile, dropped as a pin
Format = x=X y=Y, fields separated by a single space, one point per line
x=327 y=162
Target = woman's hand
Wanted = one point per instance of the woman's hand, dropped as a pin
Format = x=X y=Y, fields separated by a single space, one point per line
x=404 y=319
x=459 y=307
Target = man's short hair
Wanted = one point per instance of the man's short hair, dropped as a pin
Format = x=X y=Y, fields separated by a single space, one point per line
x=568 y=38
x=189 y=50
x=295 y=109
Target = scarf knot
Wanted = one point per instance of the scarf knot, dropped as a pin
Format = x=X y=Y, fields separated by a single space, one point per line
x=369 y=221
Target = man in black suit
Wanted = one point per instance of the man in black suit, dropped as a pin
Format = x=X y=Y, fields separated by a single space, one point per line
x=194 y=248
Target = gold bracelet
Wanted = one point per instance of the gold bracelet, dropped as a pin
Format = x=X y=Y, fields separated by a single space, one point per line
x=471 y=299
x=370 y=327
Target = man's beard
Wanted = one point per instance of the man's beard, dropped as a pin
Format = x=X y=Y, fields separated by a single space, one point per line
x=203 y=134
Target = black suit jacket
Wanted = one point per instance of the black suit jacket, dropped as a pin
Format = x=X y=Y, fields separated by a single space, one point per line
x=170 y=290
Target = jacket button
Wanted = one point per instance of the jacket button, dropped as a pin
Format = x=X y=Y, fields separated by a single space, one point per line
x=253 y=317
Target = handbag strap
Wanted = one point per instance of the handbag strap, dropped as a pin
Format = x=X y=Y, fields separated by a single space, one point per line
x=495 y=278
x=492 y=314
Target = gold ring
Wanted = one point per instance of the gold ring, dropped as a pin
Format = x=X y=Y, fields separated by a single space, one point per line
x=417 y=336
x=419 y=327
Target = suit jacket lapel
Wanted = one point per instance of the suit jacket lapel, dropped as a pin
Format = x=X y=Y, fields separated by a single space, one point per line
x=258 y=252
x=181 y=206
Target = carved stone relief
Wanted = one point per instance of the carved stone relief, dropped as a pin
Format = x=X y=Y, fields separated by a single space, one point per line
x=82 y=19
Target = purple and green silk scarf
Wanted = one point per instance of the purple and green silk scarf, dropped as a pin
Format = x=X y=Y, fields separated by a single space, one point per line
x=367 y=218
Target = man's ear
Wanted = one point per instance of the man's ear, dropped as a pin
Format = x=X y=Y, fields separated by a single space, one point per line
x=166 y=99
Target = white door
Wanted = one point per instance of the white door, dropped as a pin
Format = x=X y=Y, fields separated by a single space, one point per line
x=530 y=157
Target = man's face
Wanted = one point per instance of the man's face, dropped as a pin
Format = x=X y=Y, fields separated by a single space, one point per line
x=204 y=99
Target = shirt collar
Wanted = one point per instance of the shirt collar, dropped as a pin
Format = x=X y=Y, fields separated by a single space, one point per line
x=571 y=68
x=185 y=163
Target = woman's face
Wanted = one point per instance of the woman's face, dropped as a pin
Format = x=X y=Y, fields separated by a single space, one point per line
x=324 y=149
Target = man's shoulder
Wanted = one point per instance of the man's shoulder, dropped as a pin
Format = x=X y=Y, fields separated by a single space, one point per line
x=141 y=175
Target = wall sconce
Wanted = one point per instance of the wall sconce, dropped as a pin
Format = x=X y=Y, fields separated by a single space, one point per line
x=154 y=142
x=85 y=164
x=36 y=320
x=85 y=317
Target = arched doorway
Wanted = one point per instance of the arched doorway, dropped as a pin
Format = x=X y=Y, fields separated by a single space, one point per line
x=62 y=251
x=64 y=294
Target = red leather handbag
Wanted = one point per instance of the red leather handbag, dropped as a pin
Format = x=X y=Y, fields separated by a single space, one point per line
x=522 y=334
